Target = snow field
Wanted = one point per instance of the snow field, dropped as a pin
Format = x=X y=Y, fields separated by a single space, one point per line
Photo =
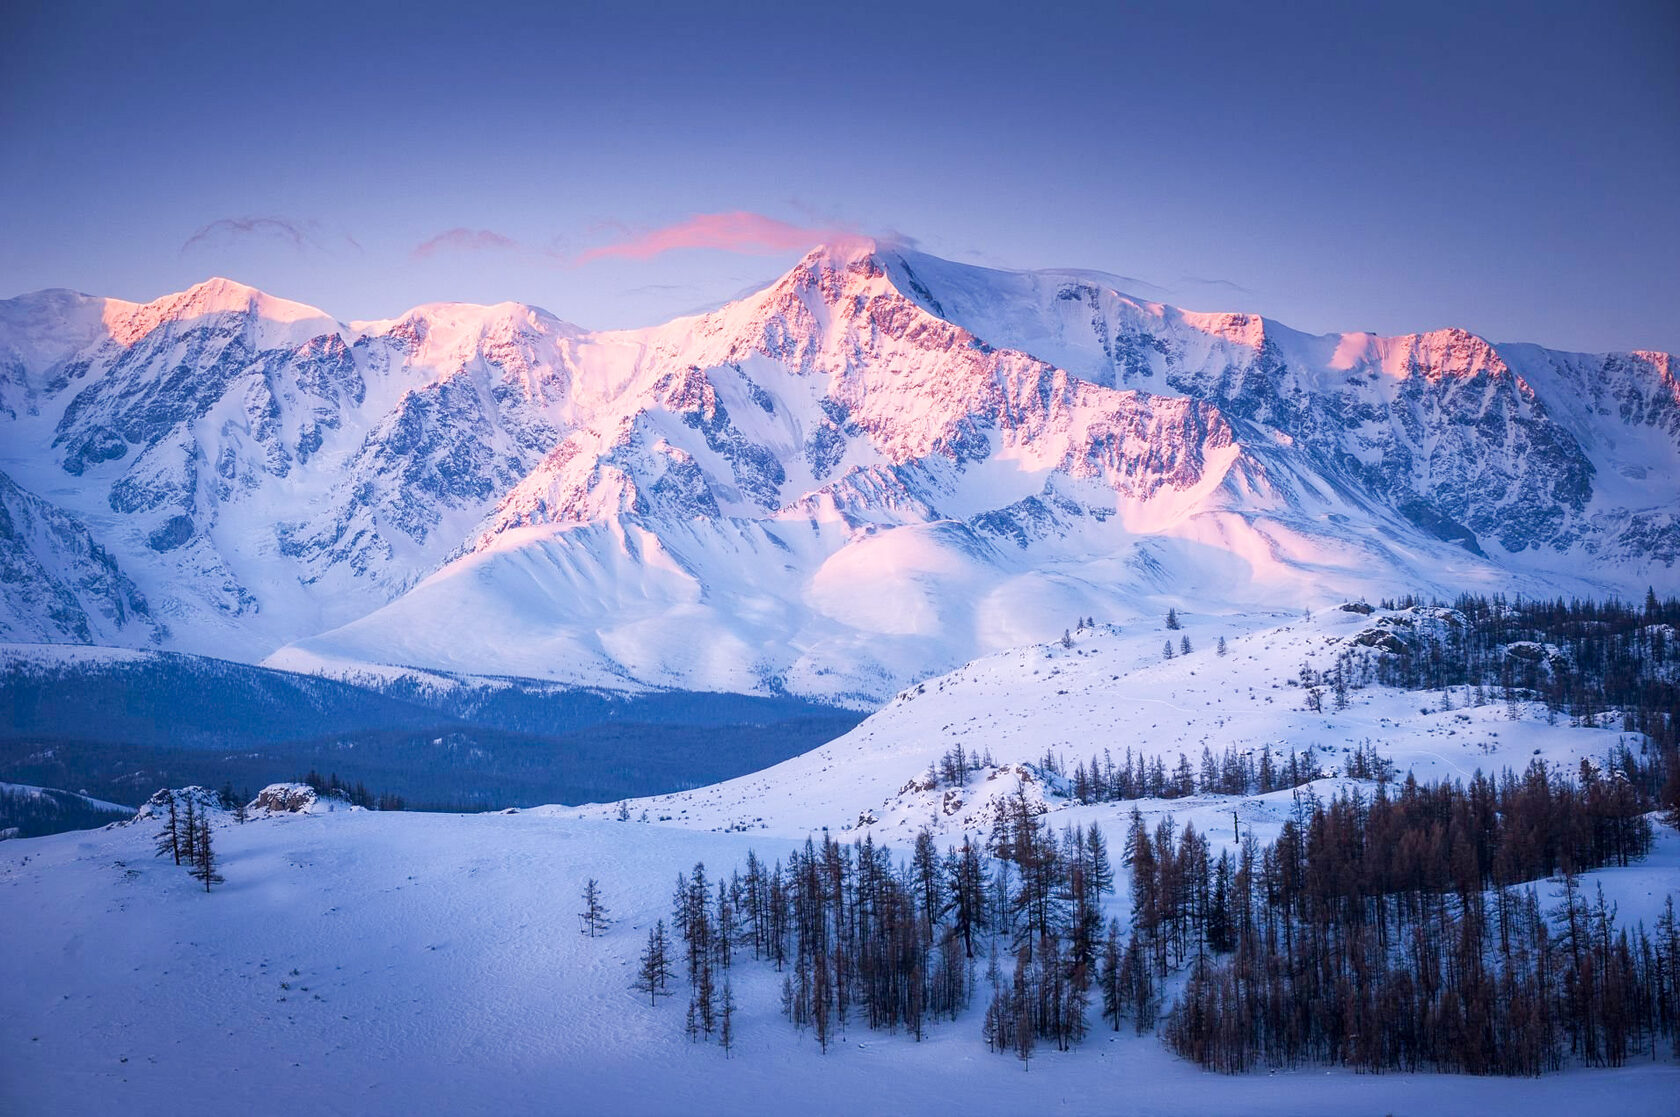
x=395 y=963
x=402 y=963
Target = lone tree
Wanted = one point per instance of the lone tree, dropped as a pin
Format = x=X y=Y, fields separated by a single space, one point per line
x=726 y=1024
x=593 y=918
x=653 y=976
x=1172 y=619
x=169 y=838
x=1166 y=650
x=204 y=857
x=189 y=832
x=1184 y=645
x=1219 y=648
x=1670 y=796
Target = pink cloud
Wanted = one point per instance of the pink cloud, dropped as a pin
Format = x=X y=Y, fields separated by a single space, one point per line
x=464 y=240
x=740 y=231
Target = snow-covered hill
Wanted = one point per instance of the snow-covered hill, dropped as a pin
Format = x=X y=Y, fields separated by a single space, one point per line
x=28 y=811
x=385 y=962
x=876 y=469
x=1109 y=691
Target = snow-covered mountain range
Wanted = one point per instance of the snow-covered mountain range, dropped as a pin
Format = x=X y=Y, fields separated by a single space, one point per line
x=879 y=467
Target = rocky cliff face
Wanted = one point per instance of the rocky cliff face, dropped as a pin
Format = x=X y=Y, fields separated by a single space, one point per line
x=57 y=584
x=1467 y=441
x=262 y=468
x=877 y=467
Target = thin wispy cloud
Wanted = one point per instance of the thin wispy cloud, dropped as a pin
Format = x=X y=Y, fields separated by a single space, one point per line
x=464 y=240
x=738 y=231
x=1221 y=284
x=656 y=289
x=227 y=229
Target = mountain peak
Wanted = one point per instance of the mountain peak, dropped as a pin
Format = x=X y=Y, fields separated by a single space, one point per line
x=220 y=295
x=220 y=287
x=479 y=315
x=844 y=250
x=825 y=264
x=278 y=321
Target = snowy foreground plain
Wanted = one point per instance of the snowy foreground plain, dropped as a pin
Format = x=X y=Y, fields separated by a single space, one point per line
x=359 y=962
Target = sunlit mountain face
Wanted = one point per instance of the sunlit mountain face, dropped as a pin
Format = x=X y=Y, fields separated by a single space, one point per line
x=876 y=468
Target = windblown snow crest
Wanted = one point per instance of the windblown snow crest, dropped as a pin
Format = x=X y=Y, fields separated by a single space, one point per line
x=879 y=467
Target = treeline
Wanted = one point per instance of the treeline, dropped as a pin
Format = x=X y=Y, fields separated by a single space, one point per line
x=1603 y=664
x=1388 y=934
x=1381 y=931
x=356 y=794
x=1582 y=658
x=31 y=812
x=1232 y=772
x=1136 y=776
x=1372 y=861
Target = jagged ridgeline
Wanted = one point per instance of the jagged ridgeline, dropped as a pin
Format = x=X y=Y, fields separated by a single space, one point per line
x=881 y=466
x=119 y=726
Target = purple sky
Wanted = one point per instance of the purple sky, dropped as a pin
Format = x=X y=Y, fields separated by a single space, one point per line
x=1509 y=169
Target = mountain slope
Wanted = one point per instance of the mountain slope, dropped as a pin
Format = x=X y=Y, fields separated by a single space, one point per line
x=57 y=583
x=877 y=468
x=1109 y=691
x=260 y=469
x=1530 y=446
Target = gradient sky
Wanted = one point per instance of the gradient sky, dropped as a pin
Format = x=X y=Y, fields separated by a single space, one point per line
x=1511 y=169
